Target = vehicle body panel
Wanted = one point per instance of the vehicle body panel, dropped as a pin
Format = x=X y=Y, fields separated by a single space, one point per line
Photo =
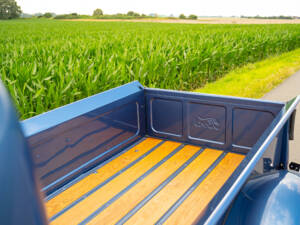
x=269 y=199
x=68 y=142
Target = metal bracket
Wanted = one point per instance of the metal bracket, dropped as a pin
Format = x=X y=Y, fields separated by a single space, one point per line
x=268 y=166
x=294 y=166
x=292 y=125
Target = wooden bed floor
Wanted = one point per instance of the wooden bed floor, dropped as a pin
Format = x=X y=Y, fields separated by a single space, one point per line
x=153 y=181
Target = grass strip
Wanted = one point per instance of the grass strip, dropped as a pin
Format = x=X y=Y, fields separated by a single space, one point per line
x=256 y=79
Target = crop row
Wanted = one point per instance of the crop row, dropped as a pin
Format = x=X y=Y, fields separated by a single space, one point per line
x=46 y=64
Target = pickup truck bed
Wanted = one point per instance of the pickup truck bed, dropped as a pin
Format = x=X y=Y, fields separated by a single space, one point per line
x=136 y=155
x=152 y=181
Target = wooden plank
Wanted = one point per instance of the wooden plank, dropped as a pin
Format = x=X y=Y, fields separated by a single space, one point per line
x=59 y=202
x=123 y=205
x=195 y=205
x=160 y=203
x=87 y=206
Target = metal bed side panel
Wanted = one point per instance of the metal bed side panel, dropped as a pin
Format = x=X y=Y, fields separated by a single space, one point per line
x=70 y=140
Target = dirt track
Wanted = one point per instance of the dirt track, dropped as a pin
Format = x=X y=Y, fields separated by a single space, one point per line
x=203 y=21
x=285 y=92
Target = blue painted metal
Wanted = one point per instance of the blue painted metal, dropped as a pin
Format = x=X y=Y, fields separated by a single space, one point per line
x=270 y=199
x=69 y=141
x=229 y=191
x=20 y=201
x=60 y=115
x=233 y=124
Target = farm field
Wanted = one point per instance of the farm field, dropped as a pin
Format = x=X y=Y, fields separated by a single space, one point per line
x=203 y=20
x=48 y=63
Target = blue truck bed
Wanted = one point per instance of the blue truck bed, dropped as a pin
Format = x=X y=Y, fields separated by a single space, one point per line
x=138 y=155
x=152 y=181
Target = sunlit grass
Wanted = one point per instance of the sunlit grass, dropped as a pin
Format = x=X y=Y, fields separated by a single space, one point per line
x=48 y=63
x=255 y=80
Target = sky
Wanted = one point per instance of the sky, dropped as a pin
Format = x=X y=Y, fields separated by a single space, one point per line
x=167 y=7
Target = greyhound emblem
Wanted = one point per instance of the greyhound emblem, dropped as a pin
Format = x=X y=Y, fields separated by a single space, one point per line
x=207 y=123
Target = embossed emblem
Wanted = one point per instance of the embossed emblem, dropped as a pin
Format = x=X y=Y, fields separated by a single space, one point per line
x=207 y=123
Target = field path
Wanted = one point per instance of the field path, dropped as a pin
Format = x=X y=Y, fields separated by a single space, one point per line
x=207 y=20
x=284 y=92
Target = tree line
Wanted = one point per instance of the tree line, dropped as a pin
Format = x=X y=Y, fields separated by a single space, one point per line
x=98 y=14
x=9 y=9
x=271 y=17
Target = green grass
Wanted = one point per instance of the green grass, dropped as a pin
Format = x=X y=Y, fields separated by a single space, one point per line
x=49 y=63
x=255 y=80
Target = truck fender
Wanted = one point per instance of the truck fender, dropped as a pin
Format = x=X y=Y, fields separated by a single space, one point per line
x=269 y=199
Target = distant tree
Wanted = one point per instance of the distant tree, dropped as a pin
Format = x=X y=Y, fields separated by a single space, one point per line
x=182 y=16
x=98 y=12
x=67 y=16
x=48 y=15
x=37 y=14
x=9 y=9
x=193 y=17
x=26 y=15
x=130 y=13
x=136 y=14
x=143 y=15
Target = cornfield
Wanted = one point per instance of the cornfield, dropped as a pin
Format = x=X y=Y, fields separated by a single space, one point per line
x=46 y=64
